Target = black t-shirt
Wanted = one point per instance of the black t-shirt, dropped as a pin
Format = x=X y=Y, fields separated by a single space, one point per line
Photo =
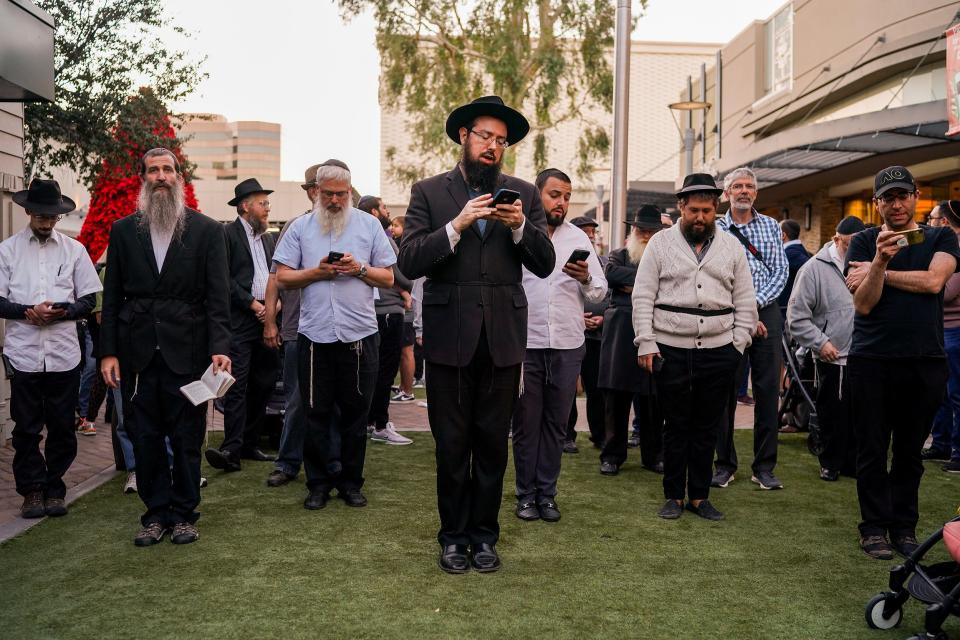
x=902 y=324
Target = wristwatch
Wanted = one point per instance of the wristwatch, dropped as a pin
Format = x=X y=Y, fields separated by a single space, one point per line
x=363 y=271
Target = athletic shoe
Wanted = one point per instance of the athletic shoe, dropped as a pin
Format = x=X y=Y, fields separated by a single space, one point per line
x=55 y=507
x=394 y=389
x=130 y=486
x=829 y=474
x=389 y=435
x=418 y=383
x=32 y=506
x=671 y=510
x=705 y=510
x=403 y=397
x=184 y=533
x=203 y=482
x=86 y=428
x=570 y=447
x=935 y=453
x=722 y=478
x=952 y=467
x=876 y=547
x=766 y=480
x=905 y=544
x=150 y=535
x=633 y=441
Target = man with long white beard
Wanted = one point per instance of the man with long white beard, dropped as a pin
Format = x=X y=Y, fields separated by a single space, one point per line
x=166 y=318
x=694 y=310
x=337 y=254
x=620 y=378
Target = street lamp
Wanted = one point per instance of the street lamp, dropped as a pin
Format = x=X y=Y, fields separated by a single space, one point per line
x=688 y=106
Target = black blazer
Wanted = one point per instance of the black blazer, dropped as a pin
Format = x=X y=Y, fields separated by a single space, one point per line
x=184 y=309
x=240 y=262
x=478 y=284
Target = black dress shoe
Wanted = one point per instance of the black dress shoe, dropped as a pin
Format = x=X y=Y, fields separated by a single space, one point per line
x=705 y=510
x=222 y=460
x=485 y=558
x=257 y=456
x=528 y=511
x=549 y=511
x=454 y=559
x=279 y=478
x=829 y=475
x=352 y=497
x=609 y=469
x=316 y=500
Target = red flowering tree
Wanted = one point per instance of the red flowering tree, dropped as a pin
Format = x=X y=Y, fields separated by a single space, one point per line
x=117 y=186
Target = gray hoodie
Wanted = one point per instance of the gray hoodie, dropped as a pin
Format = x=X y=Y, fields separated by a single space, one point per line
x=821 y=306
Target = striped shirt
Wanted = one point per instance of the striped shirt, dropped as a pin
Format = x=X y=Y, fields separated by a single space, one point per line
x=769 y=276
x=261 y=271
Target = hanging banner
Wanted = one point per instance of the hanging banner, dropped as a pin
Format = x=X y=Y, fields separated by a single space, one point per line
x=953 y=80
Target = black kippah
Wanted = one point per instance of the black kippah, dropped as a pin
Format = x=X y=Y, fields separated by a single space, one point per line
x=850 y=225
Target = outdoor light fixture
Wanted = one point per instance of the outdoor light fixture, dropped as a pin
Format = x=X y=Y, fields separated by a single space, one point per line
x=688 y=134
x=807 y=216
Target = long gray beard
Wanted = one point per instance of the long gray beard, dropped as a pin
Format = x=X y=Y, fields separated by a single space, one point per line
x=162 y=211
x=635 y=248
x=330 y=221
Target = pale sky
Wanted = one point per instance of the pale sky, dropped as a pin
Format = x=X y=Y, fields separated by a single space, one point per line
x=295 y=62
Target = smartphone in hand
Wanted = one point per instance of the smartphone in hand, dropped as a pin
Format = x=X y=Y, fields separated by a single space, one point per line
x=505 y=196
x=60 y=305
x=578 y=255
x=334 y=256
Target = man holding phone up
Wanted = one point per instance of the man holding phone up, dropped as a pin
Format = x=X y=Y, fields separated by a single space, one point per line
x=47 y=281
x=555 y=349
x=898 y=367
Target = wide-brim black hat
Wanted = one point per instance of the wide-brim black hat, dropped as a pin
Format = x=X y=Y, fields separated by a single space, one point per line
x=43 y=198
x=493 y=106
x=699 y=182
x=646 y=217
x=245 y=188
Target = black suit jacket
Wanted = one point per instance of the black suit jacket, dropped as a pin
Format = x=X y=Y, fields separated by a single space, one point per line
x=240 y=262
x=184 y=309
x=479 y=283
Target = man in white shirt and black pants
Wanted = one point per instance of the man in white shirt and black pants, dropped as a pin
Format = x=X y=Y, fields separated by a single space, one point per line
x=555 y=348
x=47 y=281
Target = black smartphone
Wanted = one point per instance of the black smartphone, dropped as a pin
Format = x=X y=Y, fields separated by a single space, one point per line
x=60 y=305
x=505 y=196
x=578 y=255
x=334 y=256
x=657 y=363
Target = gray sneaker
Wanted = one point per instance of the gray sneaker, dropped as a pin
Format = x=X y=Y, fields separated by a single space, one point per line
x=766 y=480
x=722 y=478
x=389 y=435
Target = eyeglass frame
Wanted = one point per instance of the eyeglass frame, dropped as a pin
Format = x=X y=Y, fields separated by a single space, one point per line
x=486 y=136
x=893 y=197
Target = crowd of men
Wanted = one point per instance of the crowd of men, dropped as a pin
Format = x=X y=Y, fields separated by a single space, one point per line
x=510 y=306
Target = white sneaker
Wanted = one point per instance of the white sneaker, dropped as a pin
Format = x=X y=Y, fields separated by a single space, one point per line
x=389 y=435
x=203 y=482
x=419 y=383
x=130 y=486
x=403 y=397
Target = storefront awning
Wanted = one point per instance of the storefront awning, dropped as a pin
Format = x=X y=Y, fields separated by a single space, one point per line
x=26 y=52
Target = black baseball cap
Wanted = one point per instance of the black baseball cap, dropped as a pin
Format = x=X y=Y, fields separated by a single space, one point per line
x=895 y=177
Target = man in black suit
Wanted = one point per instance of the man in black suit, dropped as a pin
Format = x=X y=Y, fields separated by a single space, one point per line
x=471 y=250
x=166 y=317
x=254 y=364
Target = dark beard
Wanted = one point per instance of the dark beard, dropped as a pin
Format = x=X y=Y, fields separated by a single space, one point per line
x=555 y=220
x=694 y=235
x=480 y=177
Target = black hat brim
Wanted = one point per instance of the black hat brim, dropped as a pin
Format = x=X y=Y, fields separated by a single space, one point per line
x=236 y=200
x=517 y=125
x=699 y=189
x=66 y=205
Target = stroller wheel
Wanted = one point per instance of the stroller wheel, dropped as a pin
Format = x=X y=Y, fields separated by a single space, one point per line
x=874 y=612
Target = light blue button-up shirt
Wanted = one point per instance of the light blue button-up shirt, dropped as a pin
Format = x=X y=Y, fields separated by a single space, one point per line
x=340 y=309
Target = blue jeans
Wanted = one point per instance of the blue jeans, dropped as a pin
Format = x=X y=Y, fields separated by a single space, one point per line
x=946 y=425
x=290 y=455
x=126 y=445
x=89 y=370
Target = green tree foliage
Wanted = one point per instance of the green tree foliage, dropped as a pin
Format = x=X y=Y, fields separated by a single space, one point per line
x=547 y=57
x=104 y=51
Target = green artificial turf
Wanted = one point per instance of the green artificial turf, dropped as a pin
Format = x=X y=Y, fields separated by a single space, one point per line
x=783 y=565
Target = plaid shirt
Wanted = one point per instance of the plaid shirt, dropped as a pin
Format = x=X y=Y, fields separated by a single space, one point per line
x=764 y=233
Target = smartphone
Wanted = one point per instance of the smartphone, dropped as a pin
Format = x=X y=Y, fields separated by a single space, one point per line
x=60 y=305
x=334 y=256
x=505 y=196
x=913 y=236
x=578 y=255
x=657 y=363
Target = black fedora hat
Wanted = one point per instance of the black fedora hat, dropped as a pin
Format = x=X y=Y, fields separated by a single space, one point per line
x=493 y=106
x=245 y=188
x=584 y=221
x=43 y=198
x=646 y=217
x=699 y=182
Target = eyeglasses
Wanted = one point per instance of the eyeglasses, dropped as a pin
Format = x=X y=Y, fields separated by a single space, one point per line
x=896 y=197
x=42 y=218
x=743 y=187
x=339 y=195
x=263 y=203
x=486 y=136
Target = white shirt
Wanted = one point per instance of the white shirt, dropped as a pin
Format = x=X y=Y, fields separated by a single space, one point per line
x=59 y=271
x=555 y=303
x=260 y=270
x=161 y=243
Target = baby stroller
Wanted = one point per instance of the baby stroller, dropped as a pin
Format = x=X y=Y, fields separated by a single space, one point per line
x=796 y=397
x=937 y=585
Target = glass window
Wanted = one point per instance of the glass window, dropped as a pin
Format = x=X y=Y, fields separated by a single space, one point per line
x=778 y=62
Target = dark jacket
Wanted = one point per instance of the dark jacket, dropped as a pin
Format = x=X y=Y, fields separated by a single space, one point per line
x=184 y=309
x=797 y=256
x=243 y=321
x=619 y=369
x=478 y=284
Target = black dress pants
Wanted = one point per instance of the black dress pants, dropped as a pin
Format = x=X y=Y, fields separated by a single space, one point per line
x=617 y=406
x=36 y=400
x=469 y=410
x=766 y=359
x=255 y=367
x=154 y=410
x=589 y=372
x=692 y=387
x=836 y=421
x=336 y=384
x=894 y=402
x=390 y=327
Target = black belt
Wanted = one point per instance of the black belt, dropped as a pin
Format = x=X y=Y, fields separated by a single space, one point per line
x=695 y=312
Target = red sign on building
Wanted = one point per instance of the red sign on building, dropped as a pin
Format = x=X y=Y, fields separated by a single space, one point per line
x=953 y=80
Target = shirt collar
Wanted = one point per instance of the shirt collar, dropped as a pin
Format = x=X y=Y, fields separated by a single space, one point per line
x=790 y=243
x=31 y=237
x=730 y=222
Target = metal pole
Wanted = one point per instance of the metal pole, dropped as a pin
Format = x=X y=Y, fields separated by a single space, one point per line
x=621 y=93
x=688 y=144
